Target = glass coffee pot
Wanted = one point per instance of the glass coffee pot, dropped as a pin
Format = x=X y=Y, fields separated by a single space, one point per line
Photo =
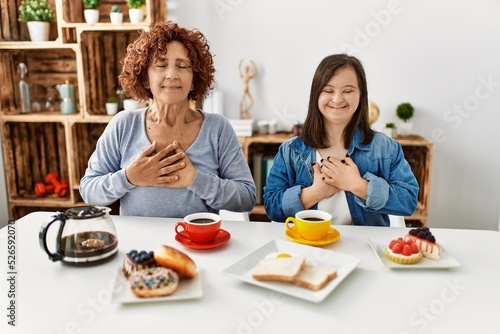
x=86 y=235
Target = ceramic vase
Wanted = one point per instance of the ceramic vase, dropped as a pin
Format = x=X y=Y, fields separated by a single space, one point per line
x=404 y=129
x=136 y=15
x=111 y=108
x=91 y=16
x=131 y=104
x=39 y=31
x=116 y=18
x=390 y=132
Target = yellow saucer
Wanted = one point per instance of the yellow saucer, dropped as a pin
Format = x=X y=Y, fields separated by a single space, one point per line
x=332 y=236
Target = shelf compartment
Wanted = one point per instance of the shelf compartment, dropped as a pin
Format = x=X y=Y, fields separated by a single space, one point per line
x=72 y=20
x=258 y=213
x=84 y=139
x=12 y=29
x=72 y=11
x=102 y=52
x=277 y=138
x=420 y=159
x=31 y=150
x=411 y=222
x=261 y=159
x=46 y=69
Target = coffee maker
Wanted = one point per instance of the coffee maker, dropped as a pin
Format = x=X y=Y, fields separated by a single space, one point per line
x=85 y=235
x=67 y=94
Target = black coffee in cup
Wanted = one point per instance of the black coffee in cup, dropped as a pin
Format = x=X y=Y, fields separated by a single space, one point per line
x=313 y=219
x=202 y=221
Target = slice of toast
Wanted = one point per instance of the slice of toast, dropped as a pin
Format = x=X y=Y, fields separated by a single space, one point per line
x=315 y=276
x=280 y=269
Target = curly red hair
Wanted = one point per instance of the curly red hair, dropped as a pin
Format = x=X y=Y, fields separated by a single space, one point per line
x=152 y=44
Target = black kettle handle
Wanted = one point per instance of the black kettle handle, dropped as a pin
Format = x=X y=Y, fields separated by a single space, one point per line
x=42 y=236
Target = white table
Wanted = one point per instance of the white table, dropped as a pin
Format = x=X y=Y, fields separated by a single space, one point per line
x=57 y=298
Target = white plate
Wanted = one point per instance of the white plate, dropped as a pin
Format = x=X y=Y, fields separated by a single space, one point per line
x=242 y=269
x=189 y=288
x=445 y=261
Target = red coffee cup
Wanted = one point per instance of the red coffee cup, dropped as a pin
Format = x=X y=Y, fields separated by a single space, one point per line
x=202 y=228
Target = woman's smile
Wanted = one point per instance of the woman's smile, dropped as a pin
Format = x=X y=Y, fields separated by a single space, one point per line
x=337 y=107
x=171 y=87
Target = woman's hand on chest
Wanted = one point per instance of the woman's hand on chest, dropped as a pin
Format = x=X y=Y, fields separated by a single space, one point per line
x=168 y=167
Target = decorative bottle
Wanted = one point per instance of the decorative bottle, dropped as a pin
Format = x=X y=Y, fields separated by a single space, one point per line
x=119 y=97
x=24 y=89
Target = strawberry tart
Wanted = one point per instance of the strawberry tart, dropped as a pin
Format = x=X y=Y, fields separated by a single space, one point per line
x=403 y=251
x=425 y=241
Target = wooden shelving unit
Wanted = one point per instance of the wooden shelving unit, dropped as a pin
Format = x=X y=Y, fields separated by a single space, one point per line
x=417 y=150
x=268 y=143
x=87 y=56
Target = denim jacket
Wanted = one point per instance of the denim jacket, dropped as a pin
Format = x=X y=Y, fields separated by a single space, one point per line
x=392 y=187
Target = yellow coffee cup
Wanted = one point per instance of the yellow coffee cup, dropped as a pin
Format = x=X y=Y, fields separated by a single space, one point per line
x=311 y=224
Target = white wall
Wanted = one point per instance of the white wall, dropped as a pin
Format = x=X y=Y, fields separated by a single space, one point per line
x=442 y=56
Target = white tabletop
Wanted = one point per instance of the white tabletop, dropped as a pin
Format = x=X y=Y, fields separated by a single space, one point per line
x=57 y=298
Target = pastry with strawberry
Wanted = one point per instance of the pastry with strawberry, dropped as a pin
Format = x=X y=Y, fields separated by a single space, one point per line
x=403 y=251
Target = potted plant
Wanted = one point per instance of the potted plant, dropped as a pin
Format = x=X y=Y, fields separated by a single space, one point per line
x=404 y=111
x=116 y=15
x=135 y=12
x=37 y=14
x=390 y=129
x=91 y=12
x=131 y=104
x=111 y=106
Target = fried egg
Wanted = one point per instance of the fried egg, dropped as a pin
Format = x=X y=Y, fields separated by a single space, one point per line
x=278 y=255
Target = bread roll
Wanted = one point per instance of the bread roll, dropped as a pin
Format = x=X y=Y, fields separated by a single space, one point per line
x=169 y=257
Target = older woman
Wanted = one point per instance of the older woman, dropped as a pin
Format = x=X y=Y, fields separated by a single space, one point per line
x=168 y=160
x=339 y=164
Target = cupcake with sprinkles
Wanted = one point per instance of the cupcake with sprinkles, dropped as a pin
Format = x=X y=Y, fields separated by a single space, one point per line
x=154 y=282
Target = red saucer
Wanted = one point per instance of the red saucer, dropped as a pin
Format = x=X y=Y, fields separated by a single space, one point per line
x=222 y=237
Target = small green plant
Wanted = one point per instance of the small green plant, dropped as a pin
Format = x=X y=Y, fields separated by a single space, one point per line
x=136 y=3
x=390 y=125
x=91 y=4
x=36 y=10
x=115 y=9
x=111 y=100
x=404 y=111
